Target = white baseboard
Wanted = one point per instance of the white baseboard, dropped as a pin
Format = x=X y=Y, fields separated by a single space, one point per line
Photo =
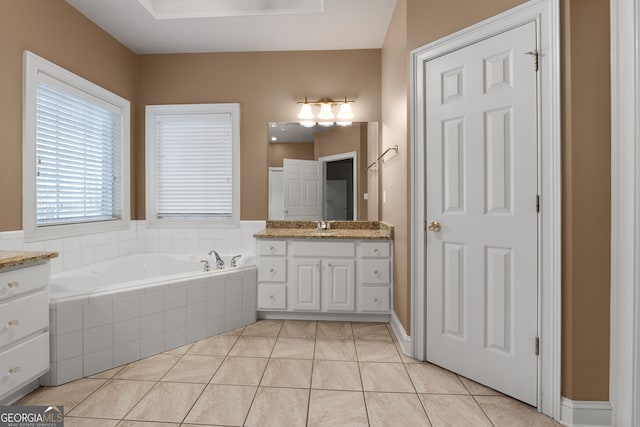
x=403 y=339
x=582 y=413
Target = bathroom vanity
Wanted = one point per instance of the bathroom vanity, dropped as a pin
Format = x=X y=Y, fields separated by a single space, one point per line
x=24 y=321
x=343 y=273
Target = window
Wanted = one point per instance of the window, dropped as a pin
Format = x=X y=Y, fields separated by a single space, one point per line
x=75 y=154
x=193 y=164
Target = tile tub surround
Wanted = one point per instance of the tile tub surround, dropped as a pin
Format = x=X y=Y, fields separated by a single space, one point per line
x=101 y=331
x=362 y=230
x=256 y=391
x=83 y=250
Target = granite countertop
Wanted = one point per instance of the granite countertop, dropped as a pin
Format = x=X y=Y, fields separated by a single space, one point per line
x=17 y=258
x=356 y=230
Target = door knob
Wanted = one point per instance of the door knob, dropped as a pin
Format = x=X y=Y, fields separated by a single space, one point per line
x=433 y=226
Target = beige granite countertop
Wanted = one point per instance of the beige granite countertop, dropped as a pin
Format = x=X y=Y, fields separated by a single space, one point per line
x=356 y=230
x=16 y=258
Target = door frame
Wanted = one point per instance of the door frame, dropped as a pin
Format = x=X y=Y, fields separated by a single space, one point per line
x=342 y=156
x=546 y=15
x=624 y=383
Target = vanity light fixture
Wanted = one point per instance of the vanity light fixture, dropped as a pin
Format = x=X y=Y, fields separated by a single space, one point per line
x=325 y=116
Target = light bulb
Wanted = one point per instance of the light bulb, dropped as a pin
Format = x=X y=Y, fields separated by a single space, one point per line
x=345 y=114
x=306 y=113
x=326 y=113
x=325 y=124
x=344 y=123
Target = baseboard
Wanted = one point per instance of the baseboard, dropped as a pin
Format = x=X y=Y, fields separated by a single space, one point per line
x=582 y=413
x=340 y=317
x=403 y=339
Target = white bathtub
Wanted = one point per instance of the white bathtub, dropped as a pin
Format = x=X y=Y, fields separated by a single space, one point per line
x=115 y=312
x=139 y=271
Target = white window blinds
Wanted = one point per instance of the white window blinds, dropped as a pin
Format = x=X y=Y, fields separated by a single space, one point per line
x=194 y=166
x=78 y=155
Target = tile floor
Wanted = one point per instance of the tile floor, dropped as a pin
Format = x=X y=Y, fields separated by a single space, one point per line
x=285 y=373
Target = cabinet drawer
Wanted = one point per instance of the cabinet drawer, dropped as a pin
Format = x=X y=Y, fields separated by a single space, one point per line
x=374 y=271
x=22 y=363
x=23 y=317
x=23 y=280
x=323 y=249
x=272 y=270
x=272 y=247
x=376 y=249
x=375 y=298
x=272 y=297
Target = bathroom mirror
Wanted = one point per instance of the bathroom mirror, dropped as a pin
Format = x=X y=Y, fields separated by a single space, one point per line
x=322 y=172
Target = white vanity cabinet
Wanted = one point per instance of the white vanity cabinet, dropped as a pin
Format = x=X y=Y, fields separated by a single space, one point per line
x=24 y=327
x=328 y=276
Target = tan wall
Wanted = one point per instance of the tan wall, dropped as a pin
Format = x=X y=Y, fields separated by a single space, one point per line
x=586 y=199
x=345 y=140
x=586 y=168
x=395 y=170
x=267 y=86
x=289 y=150
x=55 y=31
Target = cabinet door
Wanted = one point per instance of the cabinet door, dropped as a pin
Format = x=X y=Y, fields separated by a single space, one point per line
x=305 y=285
x=339 y=284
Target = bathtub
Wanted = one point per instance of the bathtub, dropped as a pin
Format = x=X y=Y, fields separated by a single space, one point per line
x=118 y=311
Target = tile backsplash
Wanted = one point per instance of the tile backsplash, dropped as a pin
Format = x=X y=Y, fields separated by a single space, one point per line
x=83 y=250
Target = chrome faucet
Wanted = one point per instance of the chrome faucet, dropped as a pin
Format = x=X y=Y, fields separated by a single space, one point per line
x=234 y=260
x=206 y=266
x=219 y=261
x=323 y=225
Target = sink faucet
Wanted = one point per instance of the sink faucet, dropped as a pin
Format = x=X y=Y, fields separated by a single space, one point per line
x=323 y=225
x=219 y=261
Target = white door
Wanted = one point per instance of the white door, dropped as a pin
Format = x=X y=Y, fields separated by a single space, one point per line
x=306 y=284
x=302 y=189
x=338 y=283
x=481 y=168
x=276 y=189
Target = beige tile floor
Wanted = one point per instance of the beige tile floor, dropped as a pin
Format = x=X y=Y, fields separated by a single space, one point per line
x=285 y=373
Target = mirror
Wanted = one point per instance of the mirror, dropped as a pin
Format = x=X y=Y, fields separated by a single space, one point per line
x=322 y=172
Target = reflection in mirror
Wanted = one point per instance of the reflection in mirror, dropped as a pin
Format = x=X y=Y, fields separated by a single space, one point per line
x=321 y=172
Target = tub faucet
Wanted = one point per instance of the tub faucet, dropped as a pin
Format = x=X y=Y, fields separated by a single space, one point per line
x=234 y=260
x=219 y=261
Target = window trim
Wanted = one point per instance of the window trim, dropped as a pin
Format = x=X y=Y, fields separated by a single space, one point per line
x=33 y=66
x=154 y=111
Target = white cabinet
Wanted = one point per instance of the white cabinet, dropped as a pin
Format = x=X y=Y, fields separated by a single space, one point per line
x=339 y=277
x=305 y=284
x=24 y=325
x=325 y=276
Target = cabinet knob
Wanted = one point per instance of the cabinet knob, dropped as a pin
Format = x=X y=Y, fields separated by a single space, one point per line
x=330 y=265
x=12 y=323
x=271 y=296
x=14 y=370
x=13 y=284
x=375 y=250
x=272 y=270
x=272 y=249
x=376 y=272
x=376 y=300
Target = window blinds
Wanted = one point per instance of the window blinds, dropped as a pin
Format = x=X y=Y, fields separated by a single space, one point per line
x=78 y=158
x=194 y=165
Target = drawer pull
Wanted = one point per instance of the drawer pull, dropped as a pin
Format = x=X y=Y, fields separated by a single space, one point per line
x=13 y=323
x=13 y=284
x=271 y=296
x=272 y=249
x=272 y=270
x=14 y=370
x=375 y=250
x=376 y=272
x=330 y=265
x=376 y=300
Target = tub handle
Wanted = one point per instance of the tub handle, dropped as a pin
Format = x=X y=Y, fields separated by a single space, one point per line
x=14 y=370
x=13 y=323
x=206 y=266
x=13 y=284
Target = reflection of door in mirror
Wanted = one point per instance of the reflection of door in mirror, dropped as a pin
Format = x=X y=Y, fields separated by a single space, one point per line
x=290 y=141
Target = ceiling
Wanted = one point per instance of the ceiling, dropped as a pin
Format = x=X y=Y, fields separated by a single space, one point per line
x=342 y=24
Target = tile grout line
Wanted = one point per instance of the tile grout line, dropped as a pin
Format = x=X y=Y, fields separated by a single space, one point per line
x=313 y=364
x=364 y=399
